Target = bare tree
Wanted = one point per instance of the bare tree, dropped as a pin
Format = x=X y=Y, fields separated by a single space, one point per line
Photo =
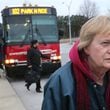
x=108 y=11
x=88 y=9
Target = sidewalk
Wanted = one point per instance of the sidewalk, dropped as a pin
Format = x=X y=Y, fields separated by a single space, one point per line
x=8 y=98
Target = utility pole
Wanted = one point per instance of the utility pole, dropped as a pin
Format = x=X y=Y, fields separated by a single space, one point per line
x=69 y=24
x=69 y=21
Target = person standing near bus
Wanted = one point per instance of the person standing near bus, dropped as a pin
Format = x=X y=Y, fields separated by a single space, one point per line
x=84 y=82
x=34 y=62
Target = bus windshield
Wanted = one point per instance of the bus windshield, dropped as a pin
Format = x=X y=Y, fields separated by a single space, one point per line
x=45 y=28
x=18 y=28
x=25 y=28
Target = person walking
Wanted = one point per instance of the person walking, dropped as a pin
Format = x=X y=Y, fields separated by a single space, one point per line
x=34 y=63
x=84 y=82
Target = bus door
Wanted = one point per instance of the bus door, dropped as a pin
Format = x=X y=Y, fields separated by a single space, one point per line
x=1 y=46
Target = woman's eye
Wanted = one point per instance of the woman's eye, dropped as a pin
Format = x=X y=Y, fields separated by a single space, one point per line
x=105 y=43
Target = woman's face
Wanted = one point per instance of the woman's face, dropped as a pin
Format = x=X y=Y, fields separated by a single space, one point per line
x=36 y=44
x=99 y=52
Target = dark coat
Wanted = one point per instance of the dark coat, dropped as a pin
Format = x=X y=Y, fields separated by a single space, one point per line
x=34 y=58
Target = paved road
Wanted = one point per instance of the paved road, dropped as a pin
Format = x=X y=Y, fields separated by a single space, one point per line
x=31 y=99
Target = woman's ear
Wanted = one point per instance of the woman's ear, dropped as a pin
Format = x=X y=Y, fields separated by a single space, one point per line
x=86 y=50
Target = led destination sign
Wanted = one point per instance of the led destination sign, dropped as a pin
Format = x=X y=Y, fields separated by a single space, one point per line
x=24 y=11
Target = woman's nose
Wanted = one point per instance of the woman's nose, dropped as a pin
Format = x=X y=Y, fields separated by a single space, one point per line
x=109 y=49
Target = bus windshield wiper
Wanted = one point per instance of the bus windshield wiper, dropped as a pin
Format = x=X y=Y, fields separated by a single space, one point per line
x=26 y=36
x=40 y=35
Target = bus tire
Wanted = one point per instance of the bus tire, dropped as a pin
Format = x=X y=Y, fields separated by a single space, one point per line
x=8 y=72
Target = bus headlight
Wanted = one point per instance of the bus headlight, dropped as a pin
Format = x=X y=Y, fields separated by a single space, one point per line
x=56 y=58
x=11 y=61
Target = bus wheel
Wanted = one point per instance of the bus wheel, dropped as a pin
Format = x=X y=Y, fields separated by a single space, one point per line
x=8 y=72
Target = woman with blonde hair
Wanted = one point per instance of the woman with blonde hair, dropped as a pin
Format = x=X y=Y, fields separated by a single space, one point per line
x=84 y=82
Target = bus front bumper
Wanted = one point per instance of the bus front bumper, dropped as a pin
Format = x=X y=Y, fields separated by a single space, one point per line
x=20 y=69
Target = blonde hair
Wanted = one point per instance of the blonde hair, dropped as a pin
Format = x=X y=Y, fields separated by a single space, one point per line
x=94 y=26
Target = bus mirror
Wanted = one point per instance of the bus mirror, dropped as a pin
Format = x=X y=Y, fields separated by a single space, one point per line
x=1 y=34
x=1 y=31
x=61 y=33
x=1 y=37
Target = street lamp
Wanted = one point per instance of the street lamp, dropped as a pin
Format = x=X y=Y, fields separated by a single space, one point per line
x=69 y=21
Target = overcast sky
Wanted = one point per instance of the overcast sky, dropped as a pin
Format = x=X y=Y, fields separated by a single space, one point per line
x=60 y=5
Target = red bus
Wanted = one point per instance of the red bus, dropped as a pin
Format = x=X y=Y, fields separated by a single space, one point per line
x=20 y=26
